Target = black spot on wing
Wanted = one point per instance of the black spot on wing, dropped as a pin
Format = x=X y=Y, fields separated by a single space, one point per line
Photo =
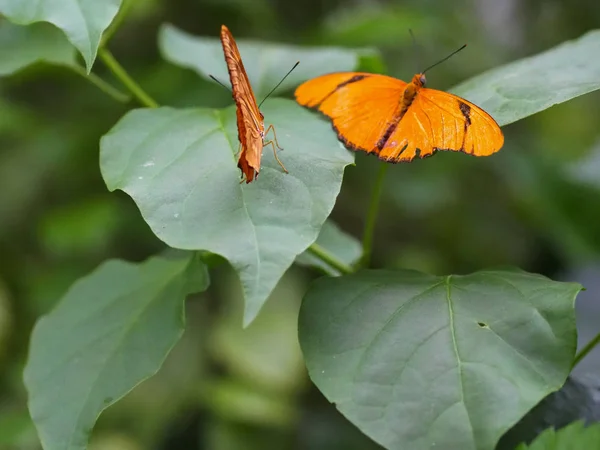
x=351 y=80
x=388 y=133
x=354 y=79
x=466 y=112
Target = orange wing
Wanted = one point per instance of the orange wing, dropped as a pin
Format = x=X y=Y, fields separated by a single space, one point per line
x=361 y=105
x=439 y=121
x=400 y=121
x=250 y=121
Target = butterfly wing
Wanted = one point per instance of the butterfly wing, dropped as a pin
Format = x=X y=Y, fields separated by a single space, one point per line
x=250 y=121
x=360 y=105
x=438 y=121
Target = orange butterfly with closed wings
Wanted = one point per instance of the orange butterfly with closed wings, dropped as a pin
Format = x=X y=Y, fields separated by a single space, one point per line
x=250 y=121
x=400 y=121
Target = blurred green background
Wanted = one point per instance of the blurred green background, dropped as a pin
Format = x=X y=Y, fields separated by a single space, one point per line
x=536 y=205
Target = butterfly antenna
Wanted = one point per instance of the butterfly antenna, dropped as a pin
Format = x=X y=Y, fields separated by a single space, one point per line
x=214 y=79
x=447 y=57
x=279 y=84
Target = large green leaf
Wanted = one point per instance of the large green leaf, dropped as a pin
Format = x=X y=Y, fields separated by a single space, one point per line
x=417 y=361
x=180 y=168
x=573 y=437
x=266 y=63
x=83 y=21
x=112 y=330
x=22 y=46
x=530 y=85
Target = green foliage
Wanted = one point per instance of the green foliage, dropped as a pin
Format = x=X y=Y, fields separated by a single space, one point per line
x=412 y=360
x=82 y=21
x=192 y=198
x=112 y=330
x=417 y=361
x=530 y=85
x=22 y=46
x=575 y=436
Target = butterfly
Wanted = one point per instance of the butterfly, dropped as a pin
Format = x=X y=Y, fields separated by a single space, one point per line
x=250 y=121
x=399 y=121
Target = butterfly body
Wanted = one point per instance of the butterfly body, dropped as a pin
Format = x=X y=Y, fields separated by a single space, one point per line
x=250 y=121
x=399 y=121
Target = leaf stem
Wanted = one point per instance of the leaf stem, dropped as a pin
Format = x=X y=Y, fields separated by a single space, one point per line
x=585 y=350
x=109 y=60
x=330 y=259
x=367 y=242
x=105 y=87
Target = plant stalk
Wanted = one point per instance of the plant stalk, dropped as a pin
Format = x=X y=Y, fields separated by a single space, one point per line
x=105 y=87
x=330 y=259
x=585 y=350
x=367 y=242
x=142 y=97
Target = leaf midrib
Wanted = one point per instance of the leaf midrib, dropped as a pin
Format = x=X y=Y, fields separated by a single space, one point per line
x=457 y=355
x=244 y=203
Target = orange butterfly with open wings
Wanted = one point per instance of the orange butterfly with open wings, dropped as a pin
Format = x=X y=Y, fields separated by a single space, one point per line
x=399 y=121
x=250 y=121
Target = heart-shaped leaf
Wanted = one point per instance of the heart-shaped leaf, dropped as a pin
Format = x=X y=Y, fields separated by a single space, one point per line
x=575 y=436
x=22 y=46
x=180 y=167
x=112 y=330
x=530 y=85
x=266 y=63
x=417 y=361
x=83 y=21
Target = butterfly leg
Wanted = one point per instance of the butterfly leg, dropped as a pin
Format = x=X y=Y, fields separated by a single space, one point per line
x=237 y=157
x=271 y=127
x=275 y=154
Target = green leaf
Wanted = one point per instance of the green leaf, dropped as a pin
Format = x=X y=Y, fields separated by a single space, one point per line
x=530 y=85
x=266 y=63
x=417 y=361
x=83 y=21
x=180 y=168
x=112 y=330
x=575 y=436
x=335 y=241
x=22 y=46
